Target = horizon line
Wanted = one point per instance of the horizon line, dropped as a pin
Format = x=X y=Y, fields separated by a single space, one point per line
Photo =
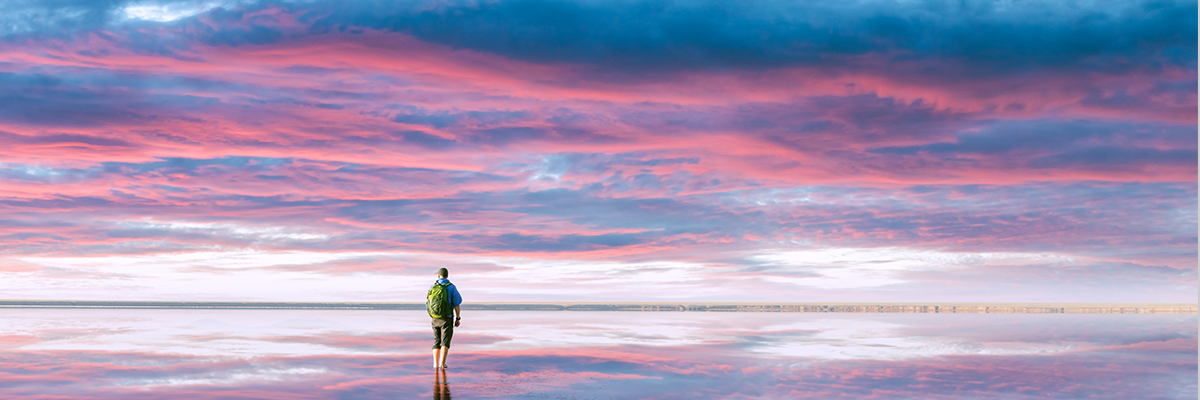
x=812 y=307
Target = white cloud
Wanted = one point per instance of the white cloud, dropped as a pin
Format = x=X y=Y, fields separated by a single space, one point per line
x=241 y=275
x=848 y=268
x=166 y=12
x=834 y=274
x=232 y=230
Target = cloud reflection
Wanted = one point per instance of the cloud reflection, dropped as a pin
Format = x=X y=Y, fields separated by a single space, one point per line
x=380 y=354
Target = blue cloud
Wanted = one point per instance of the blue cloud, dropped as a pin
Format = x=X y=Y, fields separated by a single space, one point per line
x=97 y=98
x=649 y=35
x=986 y=37
x=442 y=119
x=437 y=120
x=518 y=242
x=664 y=215
x=425 y=140
x=1115 y=157
x=192 y=166
x=42 y=99
x=259 y=30
x=559 y=164
x=507 y=135
x=1060 y=143
x=50 y=17
x=63 y=138
x=33 y=173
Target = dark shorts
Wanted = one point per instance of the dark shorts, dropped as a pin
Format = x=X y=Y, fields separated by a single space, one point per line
x=443 y=331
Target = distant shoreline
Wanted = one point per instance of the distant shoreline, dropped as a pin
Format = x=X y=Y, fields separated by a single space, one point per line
x=878 y=307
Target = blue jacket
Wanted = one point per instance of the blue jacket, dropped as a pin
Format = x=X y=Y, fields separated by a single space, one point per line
x=455 y=298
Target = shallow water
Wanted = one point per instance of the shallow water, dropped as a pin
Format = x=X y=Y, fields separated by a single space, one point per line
x=320 y=354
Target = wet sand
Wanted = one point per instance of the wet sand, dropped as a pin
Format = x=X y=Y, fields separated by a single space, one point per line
x=878 y=307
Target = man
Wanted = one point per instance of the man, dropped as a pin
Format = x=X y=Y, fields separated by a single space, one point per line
x=443 y=328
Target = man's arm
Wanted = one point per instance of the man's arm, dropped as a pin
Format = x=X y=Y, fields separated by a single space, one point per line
x=456 y=299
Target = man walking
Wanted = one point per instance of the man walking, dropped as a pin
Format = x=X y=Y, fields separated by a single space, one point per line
x=442 y=297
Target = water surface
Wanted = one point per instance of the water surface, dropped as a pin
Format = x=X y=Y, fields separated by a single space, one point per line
x=327 y=354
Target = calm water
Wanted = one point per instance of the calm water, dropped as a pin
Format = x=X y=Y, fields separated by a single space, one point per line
x=293 y=354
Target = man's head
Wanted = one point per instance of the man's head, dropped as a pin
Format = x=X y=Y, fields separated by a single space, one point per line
x=443 y=273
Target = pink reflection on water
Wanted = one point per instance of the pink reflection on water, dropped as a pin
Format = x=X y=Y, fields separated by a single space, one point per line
x=136 y=354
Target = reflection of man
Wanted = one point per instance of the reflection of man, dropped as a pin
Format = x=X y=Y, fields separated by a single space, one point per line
x=441 y=388
x=443 y=294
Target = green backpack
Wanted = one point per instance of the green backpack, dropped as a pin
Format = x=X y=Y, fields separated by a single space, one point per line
x=437 y=302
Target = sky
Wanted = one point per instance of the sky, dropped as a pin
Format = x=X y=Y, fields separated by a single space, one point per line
x=758 y=151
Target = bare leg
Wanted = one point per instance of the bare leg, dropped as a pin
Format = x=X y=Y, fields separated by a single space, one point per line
x=438 y=358
x=445 y=352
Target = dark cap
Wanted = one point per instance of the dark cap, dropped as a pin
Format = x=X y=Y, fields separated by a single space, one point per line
x=442 y=272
